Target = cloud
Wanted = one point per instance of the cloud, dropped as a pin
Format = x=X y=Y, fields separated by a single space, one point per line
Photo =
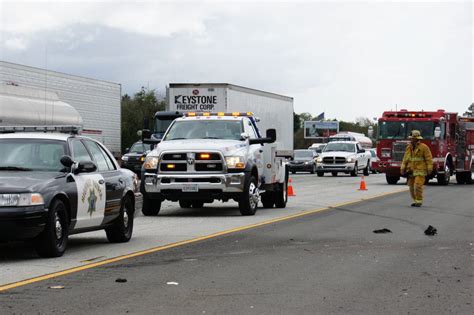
x=347 y=59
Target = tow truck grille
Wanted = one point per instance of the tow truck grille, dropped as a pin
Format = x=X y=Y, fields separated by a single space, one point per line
x=399 y=151
x=192 y=162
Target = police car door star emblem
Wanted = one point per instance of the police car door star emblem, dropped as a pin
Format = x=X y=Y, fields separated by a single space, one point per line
x=190 y=158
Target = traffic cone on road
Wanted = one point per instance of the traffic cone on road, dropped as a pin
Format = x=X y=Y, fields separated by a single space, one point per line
x=291 y=193
x=362 y=186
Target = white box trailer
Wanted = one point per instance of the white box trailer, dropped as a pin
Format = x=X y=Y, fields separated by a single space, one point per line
x=97 y=101
x=273 y=110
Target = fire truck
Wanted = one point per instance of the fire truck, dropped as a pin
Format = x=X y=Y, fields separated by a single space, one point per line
x=449 y=137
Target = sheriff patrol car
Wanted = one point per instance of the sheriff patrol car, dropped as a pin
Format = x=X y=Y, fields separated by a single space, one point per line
x=53 y=185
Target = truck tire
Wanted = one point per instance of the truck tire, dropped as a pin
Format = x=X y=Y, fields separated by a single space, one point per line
x=52 y=242
x=367 y=169
x=320 y=174
x=355 y=171
x=444 y=179
x=121 y=230
x=248 y=200
x=185 y=204
x=392 y=180
x=151 y=207
x=197 y=204
x=268 y=199
x=281 y=196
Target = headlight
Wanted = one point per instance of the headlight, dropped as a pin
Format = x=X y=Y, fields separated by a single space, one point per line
x=350 y=159
x=142 y=158
x=124 y=158
x=235 y=162
x=21 y=200
x=305 y=163
x=151 y=163
x=319 y=159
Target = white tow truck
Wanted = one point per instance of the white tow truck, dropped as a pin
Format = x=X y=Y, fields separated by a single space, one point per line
x=216 y=156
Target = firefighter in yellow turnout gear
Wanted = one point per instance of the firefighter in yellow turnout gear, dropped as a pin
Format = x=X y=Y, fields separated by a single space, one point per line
x=417 y=163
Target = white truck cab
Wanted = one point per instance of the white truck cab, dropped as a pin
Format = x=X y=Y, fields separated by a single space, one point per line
x=343 y=156
x=215 y=156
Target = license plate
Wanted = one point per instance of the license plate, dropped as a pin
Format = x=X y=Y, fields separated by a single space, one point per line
x=190 y=188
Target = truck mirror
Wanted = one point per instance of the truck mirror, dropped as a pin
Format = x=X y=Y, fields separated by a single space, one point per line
x=244 y=136
x=271 y=134
x=437 y=132
x=146 y=134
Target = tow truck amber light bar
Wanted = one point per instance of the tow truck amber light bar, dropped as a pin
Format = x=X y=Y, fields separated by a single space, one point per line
x=61 y=129
x=220 y=114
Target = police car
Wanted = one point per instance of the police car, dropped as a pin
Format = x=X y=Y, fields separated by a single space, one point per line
x=53 y=185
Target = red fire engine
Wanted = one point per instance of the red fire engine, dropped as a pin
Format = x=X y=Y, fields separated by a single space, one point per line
x=449 y=137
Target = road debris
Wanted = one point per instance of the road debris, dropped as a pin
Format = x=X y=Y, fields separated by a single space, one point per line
x=172 y=283
x=382 y=231
x=57 y=287
x=120 y=280
x=431 y=230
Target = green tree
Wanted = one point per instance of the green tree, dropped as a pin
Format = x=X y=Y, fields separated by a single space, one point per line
x=143 y=104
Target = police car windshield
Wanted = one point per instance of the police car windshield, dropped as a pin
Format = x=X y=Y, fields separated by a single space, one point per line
x=205 y=129
x=344 y=147
x=31 y=155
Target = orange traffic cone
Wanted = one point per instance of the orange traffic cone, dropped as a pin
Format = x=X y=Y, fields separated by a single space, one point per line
x=291 y=193
x=362 y=186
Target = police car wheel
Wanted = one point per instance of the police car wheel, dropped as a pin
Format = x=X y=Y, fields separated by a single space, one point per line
x=151 y=207
x=121 y=230
x=248 y=201
x=52 y=242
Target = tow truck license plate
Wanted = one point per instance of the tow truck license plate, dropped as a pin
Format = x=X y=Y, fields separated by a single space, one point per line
x=190 y=188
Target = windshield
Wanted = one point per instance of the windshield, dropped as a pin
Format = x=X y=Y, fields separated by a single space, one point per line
x=344 y=147
x=303 y=154
x=139 y=148
x=205 y=129
x=32 y=155
x=401 y=129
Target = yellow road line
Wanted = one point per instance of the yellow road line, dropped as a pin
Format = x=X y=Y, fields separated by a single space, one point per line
x=181 y=243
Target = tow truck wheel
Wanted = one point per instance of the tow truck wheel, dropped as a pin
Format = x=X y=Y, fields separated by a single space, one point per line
x=392 y=180
x=268 y=199
x=248 y=201
x=443 y=179
x=185 y=204
x=354 y=172
x=52 y=242
x=151 y=207
x=122 y=229
x=281 y=196
x=198 y=204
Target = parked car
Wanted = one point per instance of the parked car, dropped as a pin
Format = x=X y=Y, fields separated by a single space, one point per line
x=374 y=160
x=303 y=161
x=135 y=156
x=53 y=185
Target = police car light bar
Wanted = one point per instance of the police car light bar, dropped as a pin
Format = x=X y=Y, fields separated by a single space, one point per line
x=61 y=129
x=220 y=114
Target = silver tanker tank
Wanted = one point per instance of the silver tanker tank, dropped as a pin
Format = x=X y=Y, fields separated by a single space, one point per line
x=20 y=106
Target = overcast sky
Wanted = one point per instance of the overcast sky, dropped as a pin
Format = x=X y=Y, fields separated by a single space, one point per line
x=348 y=59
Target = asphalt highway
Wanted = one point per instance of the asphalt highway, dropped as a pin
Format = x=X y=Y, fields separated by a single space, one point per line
x=327 y=261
